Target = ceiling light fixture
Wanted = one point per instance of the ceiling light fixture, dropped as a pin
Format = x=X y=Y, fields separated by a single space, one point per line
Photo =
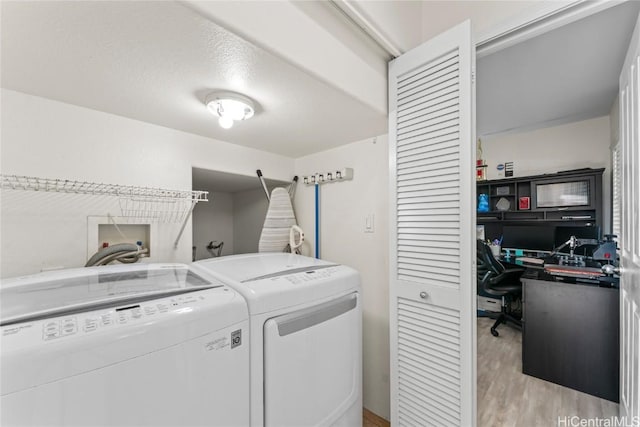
x=229 y=107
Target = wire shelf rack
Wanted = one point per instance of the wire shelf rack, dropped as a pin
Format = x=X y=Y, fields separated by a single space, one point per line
x=154 y=204
x=17 y=182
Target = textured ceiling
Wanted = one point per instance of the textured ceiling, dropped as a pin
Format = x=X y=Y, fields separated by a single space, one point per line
x=565 y=75
x=157 y=61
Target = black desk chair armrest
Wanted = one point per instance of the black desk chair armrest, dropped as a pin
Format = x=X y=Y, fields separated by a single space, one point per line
x=511 y=275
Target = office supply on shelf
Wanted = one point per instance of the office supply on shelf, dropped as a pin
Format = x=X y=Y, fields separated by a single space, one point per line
x=483 y=203
x=508 y=169
x=576 y=217
x=503 y=204
x=502 y=191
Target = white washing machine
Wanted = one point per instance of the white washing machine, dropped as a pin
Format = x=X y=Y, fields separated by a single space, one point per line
x=129 y=345
x=306 y=337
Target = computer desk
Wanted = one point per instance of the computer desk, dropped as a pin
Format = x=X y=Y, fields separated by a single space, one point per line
x=570 y=334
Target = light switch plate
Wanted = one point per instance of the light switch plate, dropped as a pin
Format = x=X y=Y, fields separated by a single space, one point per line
x=369 y=226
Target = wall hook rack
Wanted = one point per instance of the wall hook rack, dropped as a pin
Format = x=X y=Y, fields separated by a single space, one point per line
x=336 y=175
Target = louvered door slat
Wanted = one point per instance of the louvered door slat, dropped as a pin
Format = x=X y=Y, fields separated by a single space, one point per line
x=419 y=256
x=416 y=127
x=435 y=243
x=422 y=188
x=433 y=225
x=430 y=335
x=438 y=161
x=406 y=420
x=426 y=87
x=437 y=109
x=444 y=124
x=427 y=278
x=410 y=206
x=427 y=143
x=435 y=187
x=436 y=414
x=410 y=78
x=441 y=198
x=428 y=375
x=447 y=96
x=423 y=153
x=423 y=393
x=439 y=234
x=438 y=365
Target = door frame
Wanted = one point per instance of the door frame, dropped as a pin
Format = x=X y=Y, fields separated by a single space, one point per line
x=525 y=26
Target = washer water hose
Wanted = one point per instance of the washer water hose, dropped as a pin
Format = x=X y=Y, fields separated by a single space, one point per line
x=126 y=253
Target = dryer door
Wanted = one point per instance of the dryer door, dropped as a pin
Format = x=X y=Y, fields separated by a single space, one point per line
x=312 y=364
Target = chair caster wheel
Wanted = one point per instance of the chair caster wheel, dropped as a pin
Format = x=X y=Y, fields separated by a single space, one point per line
x=494 y=332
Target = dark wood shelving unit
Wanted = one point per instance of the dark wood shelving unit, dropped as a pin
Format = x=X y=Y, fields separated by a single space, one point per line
x=512 y=189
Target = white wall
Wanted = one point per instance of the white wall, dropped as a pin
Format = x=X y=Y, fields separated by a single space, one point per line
x=343 y=208
x=213 y=221
x=46 y=138
x=249 y=210
x=583 y=144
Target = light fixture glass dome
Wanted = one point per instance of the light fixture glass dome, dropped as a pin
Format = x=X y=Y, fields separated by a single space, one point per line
x=229 y=107
x=225 y=122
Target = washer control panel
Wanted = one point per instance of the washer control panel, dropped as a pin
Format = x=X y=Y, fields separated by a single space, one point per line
x=97 y=320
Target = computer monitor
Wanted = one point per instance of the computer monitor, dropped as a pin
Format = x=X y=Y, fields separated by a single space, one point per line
x=528 y=237
x=564 y=233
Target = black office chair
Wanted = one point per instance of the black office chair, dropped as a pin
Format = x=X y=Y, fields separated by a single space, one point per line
x=496 y=280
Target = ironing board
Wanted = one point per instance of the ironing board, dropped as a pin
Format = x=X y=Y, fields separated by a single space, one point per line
x=277 y=223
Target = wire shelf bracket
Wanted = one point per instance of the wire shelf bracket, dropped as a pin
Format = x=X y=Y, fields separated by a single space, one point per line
x=154 y=204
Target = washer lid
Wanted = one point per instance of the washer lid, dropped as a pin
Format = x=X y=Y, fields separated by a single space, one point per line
x=251 y=267
x=64 y=292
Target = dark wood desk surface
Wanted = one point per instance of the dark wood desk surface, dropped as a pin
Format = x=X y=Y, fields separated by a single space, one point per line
x=571 y=335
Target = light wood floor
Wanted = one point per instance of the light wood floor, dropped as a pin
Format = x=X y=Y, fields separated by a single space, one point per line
x=507 y=397
x=369 y=419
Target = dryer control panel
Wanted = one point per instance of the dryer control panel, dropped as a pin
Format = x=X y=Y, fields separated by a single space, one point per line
x=309 y=275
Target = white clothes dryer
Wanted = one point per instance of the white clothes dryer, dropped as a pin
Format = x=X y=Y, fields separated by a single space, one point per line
x=127 y=345
x=306 y=337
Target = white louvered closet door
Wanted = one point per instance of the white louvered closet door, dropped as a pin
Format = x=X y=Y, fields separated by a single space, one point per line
x=433 y=249
x=630 y=231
